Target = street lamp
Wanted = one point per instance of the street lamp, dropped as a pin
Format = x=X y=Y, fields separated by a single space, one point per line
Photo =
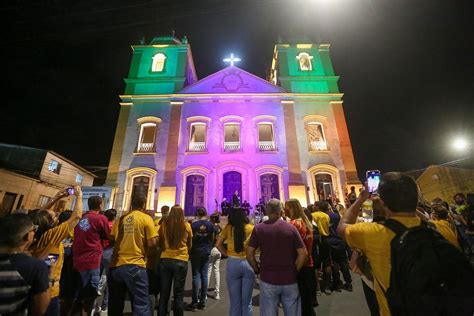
x=460 y=144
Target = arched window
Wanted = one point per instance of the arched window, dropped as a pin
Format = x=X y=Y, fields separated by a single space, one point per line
x=316 y=137
x=197 y=137
x=304 y=60
x=266 y=137
x=231 y=137
x=158 y=62
x=147 y=136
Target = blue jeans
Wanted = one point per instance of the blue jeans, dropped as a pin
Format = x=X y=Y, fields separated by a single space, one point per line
x=131 y=279
x=172 y=271
x=106 y=257
x=199 y=268
x=240 y=279
x=104 y=267
x=287 y=295
x=90 y=281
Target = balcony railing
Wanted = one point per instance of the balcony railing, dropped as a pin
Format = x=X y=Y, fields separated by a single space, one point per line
x=266 y=146
x=230 y=147
x=318 y=145
x=146 y=148
x=197 y=146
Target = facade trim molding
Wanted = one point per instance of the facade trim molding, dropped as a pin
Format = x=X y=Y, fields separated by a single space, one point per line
x=336 y=180
x=199 y=118
x=211 y=96
x=149 y=119
x=194 y=170
x=272 y=169
x=133 y=173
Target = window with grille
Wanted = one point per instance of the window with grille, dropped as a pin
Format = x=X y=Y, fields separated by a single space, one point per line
x=231 y=137
x=197 y=137
x=316 y=138
x=146 y=142
x=266 y=139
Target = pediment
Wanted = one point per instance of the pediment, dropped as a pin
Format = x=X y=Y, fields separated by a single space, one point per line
x=232 y=80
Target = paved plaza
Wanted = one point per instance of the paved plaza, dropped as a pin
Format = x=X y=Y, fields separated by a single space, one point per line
x=337 y=304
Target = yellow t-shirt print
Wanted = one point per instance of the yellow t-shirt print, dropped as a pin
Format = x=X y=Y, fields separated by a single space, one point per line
x=131 y=233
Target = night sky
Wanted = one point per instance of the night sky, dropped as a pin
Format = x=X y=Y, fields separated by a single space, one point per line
x=406 y=67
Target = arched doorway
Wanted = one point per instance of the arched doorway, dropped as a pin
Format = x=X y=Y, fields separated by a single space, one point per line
x=194 y=197
x=324 y=186
x=232 y=181
x=269 y=187
x=140 y=186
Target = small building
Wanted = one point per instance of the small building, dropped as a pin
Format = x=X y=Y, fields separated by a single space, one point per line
x=444 y=182
x=30 y=177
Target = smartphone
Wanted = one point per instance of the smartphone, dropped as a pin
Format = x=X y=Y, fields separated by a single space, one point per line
x=373 y=180
x=51 y=259
x=70 y=191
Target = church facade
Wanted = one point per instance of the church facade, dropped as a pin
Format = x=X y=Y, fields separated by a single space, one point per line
x=181 y=140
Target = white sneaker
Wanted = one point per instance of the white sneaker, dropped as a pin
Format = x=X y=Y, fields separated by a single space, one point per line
x=217 y=296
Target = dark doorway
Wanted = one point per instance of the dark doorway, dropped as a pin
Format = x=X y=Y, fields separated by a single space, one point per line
x=324 y=186
x=269 y=187
x=232 y=182
x=140 y=186
x=7 y=203
x=194 y=194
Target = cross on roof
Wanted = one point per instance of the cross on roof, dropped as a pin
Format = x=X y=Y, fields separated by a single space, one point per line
x=232 y=59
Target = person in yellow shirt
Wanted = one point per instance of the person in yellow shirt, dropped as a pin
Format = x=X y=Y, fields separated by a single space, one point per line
x=321 y=218
x=399 y=196
x=240 y=276
x=446 y=229
x=175 y=238
x=49 y=242
x=133 y=234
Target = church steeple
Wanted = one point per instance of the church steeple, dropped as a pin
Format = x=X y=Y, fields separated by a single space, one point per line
x=163 y=66
x=303 y=67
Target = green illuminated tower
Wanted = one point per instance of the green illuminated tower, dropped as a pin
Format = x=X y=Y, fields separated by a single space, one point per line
x=304 y=68
x=164 y=66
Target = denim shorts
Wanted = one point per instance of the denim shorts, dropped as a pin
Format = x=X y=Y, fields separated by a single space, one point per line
x=90 y=281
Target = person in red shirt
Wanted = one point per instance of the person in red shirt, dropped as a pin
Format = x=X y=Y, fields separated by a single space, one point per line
x=87 y=251
x=306 y=277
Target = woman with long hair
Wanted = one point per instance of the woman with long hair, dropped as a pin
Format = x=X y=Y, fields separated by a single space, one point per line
x=48 y=244
x=175 y=239
x=306 y=277
x=240 y=276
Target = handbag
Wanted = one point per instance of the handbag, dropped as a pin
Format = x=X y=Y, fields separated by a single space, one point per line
x=360 y=264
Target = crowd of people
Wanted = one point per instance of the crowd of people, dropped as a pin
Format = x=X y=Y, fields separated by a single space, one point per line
x=413 y=257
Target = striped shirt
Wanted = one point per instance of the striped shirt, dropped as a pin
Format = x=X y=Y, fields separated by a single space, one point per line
x=21 y=277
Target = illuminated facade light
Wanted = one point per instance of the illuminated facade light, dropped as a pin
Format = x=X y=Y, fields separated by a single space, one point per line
x=232 y=59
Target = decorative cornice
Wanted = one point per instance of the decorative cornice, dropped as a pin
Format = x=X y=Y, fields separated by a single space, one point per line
x=278 y=97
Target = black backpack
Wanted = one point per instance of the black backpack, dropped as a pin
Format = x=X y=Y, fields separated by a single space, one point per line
x=429 y=275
